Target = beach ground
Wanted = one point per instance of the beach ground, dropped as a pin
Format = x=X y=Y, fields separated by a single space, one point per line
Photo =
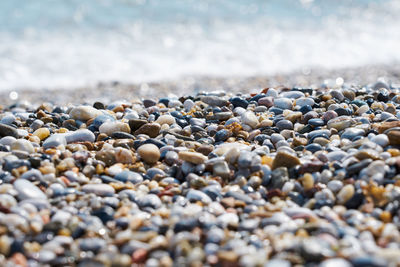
x=111 y=91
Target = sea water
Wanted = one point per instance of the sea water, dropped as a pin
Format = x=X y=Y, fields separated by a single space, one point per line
x=69 y=43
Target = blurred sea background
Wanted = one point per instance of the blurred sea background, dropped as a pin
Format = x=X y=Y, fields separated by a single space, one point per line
x=72 y=43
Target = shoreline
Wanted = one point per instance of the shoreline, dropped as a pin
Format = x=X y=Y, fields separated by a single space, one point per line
x=112 y=91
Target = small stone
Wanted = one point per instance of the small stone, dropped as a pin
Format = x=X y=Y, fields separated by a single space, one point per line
x=54 y=141
x=6 y=130
x=214 y=101
x=316 y=122
x=340 y=123
x=284 y=124
x=7 y=140
x=381 y=139
x=307 y=181
x=110 y=127
x=283 y=103
x=150 y=129
x=196 y=195
x=82 y=135
x=285 y=159
x=149 y=103
x=99 y=189
x=149 y=153
x=266 y=101
x=192 y=157
x=84 y=113
x=367 y=154
x=249 y=118
x=382 y=127
x=335 y=185
x=351 y=133
x=129 y=176
x=303 y=101
x=135 y=124
x=393 y=136
x=27 y=190
x=149 y=200
x=42 y=133
x=345 y=194
x=279 y=177
x=23 y=145
x=165 y=119
x=221 y=169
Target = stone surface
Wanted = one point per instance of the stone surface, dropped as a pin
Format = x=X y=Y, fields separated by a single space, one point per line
x=285 y=159
x=84 y=113
x=192 y=157
x=149 y=153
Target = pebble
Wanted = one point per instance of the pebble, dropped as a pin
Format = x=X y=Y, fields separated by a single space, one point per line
x=304 y=101
x=82 y=135
x=150 y=129
x=6 y=130
x=27 y=190
x=23 y=145
x=249 y=118
x=99 y=189
x=54 y=141
x=192 y=157
x=345 y=194
x=284 y=124
x=129 y=176
x=340 y=123
x=266 y=101
x=149 y=200
x=42 y=133
x=149 y=153
x=196 y=195
x=84 y=113
x=165 y=119
x=111 y=127
x=221 y=169
x=285 y=159
x=380 y=139
x=351 y=133
x=283 y=103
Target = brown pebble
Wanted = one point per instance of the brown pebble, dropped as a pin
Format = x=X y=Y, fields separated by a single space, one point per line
x=285 y=159
x=139 y=256
x=192 y=157
x=381 y=127
x=150 y=129
x=205 y=149
x=394 y=137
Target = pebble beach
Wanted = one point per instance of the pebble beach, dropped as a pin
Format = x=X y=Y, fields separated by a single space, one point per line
x=284 y=176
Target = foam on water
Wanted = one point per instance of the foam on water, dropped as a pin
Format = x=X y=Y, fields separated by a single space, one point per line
x=73 y=43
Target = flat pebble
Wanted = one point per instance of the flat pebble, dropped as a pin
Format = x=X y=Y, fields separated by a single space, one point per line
x=84 y=113
x=98 y=189
x=82 y=135
x=192 y=157
x=110 y=127
x=27 y=190
x=54 y=141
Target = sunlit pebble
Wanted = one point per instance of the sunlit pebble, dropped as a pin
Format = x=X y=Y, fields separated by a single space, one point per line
x=102 y=231
x=13 y=95
x=339 y=81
